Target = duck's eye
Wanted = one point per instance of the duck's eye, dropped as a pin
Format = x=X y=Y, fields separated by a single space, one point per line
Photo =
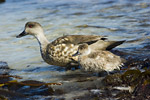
x=30 y=26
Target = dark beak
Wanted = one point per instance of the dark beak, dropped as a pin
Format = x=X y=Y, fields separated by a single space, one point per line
x=21 y=34
x=77 y=53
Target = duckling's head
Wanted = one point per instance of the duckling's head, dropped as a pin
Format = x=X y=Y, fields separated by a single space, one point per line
x=31 y=28
x=83 y=49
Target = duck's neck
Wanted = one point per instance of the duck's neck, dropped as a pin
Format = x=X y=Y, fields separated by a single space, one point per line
x=43 y=42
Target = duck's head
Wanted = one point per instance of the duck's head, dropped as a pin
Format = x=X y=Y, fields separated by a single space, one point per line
x=31 y=28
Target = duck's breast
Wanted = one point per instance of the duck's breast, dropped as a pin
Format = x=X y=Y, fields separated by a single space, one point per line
x=61 y=54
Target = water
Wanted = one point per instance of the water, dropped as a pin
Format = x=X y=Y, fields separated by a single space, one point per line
x=119 y=19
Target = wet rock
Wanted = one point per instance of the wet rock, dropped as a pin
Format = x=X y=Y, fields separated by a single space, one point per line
x=4 y=69
x=4 y=72
x=14 y=90
x=29 y=87
x=78 y=85
x=112 y=80
x=142 y=92
x=4 y=79
x=3 y=98
x=136 y=81
x=138 y=63
x=59 y=92
x=11 y=89
x=124 y=95
x=11 y=95
x=1 y=1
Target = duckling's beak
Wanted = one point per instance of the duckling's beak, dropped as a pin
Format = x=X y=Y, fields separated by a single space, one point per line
x=21 y=34
x=76 y=54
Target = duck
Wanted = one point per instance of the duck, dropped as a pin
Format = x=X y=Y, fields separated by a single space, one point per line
x=95 y=60
x=59 y=52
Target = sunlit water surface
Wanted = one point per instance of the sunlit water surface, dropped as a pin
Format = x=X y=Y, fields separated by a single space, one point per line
x=119 y=19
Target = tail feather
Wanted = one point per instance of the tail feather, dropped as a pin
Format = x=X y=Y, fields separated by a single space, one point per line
x=105 y=45
x=113 y=44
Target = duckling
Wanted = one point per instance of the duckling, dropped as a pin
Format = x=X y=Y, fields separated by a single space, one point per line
x=97 y=60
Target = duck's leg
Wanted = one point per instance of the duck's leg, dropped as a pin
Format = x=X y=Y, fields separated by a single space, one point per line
x=68 y=67
x=72 y=66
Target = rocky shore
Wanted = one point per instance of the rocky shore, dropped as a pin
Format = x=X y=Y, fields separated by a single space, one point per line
x=132 y=82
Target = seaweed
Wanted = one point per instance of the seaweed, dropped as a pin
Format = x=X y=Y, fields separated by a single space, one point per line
x=137 y=80
x=24 y=88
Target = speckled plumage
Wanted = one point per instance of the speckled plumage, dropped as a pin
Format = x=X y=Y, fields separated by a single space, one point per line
x=59 y=52
x=98 y=60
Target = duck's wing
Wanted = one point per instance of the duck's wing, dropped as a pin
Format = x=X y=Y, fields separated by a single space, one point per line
x=78 y=39
x=105 y=44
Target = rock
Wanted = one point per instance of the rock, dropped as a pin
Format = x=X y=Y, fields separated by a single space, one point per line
x=1 y=1
x=30 y=88
x=11 y=95
x=4 y=72
x=4 y=69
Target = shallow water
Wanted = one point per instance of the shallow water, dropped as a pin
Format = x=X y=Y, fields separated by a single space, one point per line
x=119 y=19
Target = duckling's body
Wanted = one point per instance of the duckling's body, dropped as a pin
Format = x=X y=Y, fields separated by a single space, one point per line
x=98 y=60
x=60 y=51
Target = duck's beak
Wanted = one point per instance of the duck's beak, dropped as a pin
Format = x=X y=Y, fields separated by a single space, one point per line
x=21 y=34
x=76 y=54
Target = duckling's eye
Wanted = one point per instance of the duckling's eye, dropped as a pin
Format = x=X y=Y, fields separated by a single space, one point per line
x=30 y=26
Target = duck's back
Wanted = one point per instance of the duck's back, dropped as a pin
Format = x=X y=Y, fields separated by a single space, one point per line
x=77 y=39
